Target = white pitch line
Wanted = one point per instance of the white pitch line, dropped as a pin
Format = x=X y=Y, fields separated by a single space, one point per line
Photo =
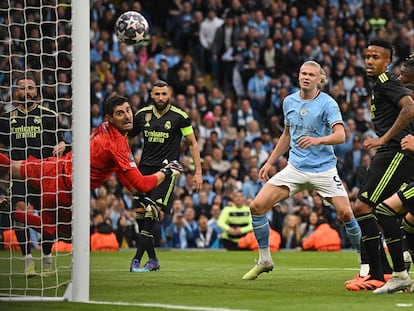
x=165 y=306
x=322 y=269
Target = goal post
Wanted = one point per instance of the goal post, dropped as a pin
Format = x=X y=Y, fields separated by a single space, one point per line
x=31 y=36
x=81 y=157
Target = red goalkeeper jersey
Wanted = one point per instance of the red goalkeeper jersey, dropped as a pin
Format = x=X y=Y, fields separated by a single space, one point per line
x=110 y=152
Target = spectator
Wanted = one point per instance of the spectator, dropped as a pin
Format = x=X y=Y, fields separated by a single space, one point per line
x=205 y=236
x=259 y=151
x=126 y=234
x=307 y=227
x=244 y=115
x=361 y=169
x=218 y=163
x=179 y=234
x=269 y=57
x=309 y=22
x=133 y=82
x=360 y=89
x=208 y=29
x=104 y=239
x=256 y=90
x=168 y=54
x=352 y=161
x=235 y=221
x=203 y=206
x=361 y=123
x=252 y=185
x=215 y=214
x=324 y=238
x=183 y=26
x=291 y=233
x=228 y=133
x=208 y=125
x=224 y=39
x=267 y=143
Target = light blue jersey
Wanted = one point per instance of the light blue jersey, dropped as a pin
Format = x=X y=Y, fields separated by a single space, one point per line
x=313 y=118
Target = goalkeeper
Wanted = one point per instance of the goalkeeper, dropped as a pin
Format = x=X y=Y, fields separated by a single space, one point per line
x=109 y=153
x=163 y=127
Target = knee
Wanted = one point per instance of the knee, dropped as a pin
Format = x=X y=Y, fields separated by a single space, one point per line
x=345 y=215
x=360 y=208
x=256 y=209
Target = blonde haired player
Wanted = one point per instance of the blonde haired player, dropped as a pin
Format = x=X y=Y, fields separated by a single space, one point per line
x=313 y=124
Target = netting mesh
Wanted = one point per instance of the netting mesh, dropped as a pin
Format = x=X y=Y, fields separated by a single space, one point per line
x=35 y=41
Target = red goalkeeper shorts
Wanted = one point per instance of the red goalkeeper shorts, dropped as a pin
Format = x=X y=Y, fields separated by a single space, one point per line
x=53 y=178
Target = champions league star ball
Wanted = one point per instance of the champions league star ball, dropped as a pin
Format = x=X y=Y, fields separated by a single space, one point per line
x=132 y=28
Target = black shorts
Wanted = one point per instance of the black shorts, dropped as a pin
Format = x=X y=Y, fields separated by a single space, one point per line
x=164 y=192
x=388 y=171
x=406 y=195
x=22 y=191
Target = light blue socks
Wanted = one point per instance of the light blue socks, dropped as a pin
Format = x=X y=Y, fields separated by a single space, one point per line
x=353 y=232
x=261 y=230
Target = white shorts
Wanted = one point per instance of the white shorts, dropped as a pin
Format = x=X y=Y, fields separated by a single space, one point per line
x=327 y=184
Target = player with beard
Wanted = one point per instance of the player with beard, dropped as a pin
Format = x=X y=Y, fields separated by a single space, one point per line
x=29 y=129
x=162 y=126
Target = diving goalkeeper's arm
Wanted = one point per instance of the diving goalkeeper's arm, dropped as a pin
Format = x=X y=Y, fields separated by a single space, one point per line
x=136 y=182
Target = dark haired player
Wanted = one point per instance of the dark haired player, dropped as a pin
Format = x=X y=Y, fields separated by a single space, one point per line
x=407 y=71
x=163 y=127
x=401 y=203
x=29 y=129
x=109 y=154
x=392 y=112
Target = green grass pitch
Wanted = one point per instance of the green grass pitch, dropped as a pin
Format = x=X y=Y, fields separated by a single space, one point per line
x=211 y=281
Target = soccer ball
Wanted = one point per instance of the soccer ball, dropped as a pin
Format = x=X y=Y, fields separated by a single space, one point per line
x=132 y=28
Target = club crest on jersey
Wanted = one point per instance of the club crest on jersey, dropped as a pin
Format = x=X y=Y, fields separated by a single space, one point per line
x=303 y=112
x=148 y=117
x=167 y=125
x=37 y=120
x=132 y=162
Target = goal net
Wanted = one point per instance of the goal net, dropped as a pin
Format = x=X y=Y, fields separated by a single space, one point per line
x=37 y=43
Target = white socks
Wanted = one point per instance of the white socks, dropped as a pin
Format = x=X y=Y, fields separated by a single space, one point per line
x=403 y=275
x=364 y=270
x=264 y=255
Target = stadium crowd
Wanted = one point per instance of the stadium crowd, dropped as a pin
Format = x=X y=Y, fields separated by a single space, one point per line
x=230 y=63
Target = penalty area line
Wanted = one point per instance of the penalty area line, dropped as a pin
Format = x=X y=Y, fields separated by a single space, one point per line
x=164 y=306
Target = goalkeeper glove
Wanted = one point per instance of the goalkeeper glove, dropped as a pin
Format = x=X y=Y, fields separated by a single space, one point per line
x=151 y=208
x=172 y=169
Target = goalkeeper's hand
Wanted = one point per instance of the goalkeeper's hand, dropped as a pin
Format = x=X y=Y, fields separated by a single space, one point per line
x=150 y=207
x=172 y=169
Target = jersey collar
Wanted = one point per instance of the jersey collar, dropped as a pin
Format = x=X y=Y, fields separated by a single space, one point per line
x=159 y=115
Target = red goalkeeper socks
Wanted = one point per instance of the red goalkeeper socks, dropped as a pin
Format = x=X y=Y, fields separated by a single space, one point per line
x=34 y=222
x=4 y=162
